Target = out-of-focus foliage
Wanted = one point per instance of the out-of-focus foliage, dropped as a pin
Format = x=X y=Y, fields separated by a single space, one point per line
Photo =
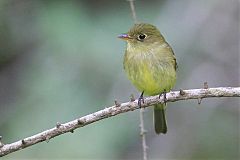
x=60 y=60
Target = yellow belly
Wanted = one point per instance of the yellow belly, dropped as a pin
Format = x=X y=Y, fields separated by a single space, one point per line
x=151 y=76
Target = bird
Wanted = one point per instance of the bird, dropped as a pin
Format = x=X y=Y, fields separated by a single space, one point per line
x=150 y=64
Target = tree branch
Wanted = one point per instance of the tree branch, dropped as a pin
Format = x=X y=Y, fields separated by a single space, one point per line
x=115 y=110
x=134 y=16
x=143 y=134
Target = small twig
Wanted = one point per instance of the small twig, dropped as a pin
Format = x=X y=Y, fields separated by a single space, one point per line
x=199 y=101
x=205 y=85
x=181 y=91
x=143 y=134
x=23 y=142
x=134 y=16
x=117 y=104
x=132 y=98
x=113 y=110
x=58 y=125
x=1 y=143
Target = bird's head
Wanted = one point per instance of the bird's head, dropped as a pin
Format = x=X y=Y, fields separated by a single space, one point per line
x=142 y=34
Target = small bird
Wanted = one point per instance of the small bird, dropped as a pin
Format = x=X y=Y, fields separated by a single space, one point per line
x=150 y=65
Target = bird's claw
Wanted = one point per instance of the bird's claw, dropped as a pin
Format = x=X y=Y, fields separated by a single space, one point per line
x=164 y=93
x=141 y=99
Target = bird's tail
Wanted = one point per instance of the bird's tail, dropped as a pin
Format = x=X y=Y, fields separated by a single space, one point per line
x=159 y=119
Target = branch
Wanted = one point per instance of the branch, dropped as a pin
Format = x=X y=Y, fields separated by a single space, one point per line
x=115 y=110
x=134 y=16
x=143 y=134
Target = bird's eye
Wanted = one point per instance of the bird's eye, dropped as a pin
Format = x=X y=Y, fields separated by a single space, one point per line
x=142 y=37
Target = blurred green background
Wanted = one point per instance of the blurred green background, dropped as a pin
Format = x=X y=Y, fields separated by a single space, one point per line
x=60 y=60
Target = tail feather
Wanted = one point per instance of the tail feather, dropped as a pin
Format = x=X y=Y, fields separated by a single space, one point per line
x=159 y=119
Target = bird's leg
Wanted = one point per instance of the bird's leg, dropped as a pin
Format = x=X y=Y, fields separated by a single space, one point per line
x=164 y=93
x=140 y=99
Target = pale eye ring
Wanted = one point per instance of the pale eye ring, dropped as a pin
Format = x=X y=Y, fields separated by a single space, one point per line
x=142 y=37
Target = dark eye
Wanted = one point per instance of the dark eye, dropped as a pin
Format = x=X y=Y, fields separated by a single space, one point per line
x=142 y=37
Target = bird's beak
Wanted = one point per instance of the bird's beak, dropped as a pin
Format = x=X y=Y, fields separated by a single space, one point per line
x=124 y=36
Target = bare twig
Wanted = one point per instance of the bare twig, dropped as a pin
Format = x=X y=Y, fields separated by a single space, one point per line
x=131 y=2
x=143 y=134
x=113 y=110
x=1 y=144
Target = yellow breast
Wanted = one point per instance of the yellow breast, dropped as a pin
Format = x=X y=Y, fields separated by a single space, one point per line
x=150 y=70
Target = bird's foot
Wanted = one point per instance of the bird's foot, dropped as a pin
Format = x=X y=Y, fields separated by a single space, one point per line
x=141 y=99
x=164 y=93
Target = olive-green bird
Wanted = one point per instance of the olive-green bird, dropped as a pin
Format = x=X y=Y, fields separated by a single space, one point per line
x=150 y=65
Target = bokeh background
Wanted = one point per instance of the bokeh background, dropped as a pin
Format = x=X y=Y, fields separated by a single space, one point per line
x=60 y=60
